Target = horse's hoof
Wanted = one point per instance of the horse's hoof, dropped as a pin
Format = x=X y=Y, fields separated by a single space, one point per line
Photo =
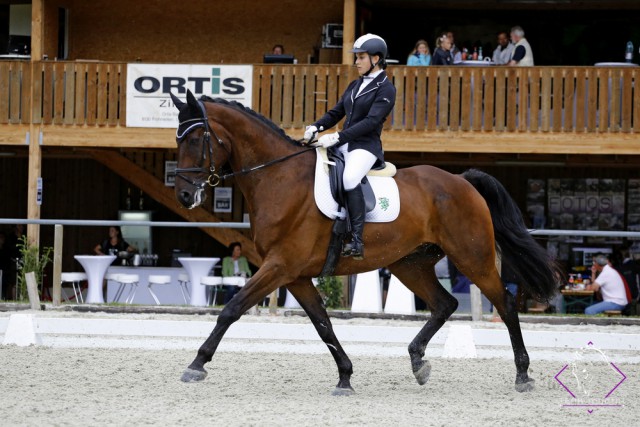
x=525 y=386
x=190 y=375
x=423 y=372
x=341 y=391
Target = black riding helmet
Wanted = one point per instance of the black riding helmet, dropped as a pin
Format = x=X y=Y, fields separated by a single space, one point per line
x=373 y=45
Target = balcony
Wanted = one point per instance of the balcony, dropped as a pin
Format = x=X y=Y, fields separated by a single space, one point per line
x=438 y=109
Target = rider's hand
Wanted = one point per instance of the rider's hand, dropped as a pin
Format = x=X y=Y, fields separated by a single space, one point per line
x=328 y=140
x=310 y=134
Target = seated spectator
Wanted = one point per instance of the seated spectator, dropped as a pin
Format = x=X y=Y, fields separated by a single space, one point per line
x=442 y=55
x=234 y=265
x=630 y=270
x=115 y=245
x=502 y=53
x=456 y=55
x=421 y=55
x=609 y=282
x=278 y=50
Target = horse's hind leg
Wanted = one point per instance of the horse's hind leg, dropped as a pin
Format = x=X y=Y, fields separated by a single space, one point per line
x=505 y=304
x=416 y=272
x=308 y=297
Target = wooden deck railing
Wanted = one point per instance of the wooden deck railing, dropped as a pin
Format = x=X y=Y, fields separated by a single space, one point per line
x=432 y=99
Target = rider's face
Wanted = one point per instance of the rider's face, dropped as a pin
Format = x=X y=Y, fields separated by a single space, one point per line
x=363 y=62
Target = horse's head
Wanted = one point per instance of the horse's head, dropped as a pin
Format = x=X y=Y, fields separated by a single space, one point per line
x=200 y=152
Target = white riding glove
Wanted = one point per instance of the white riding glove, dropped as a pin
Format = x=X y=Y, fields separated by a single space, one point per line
x=310 y=134
x=328 y=140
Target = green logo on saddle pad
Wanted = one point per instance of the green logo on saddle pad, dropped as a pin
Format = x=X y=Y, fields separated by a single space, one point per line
x=384 y=203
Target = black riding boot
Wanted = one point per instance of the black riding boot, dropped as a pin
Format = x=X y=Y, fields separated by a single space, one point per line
x=356 y=208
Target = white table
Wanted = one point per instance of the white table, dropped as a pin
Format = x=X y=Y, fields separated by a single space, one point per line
x=615 y=64
x=95 y=266
x=196 y=268
x=476 y=63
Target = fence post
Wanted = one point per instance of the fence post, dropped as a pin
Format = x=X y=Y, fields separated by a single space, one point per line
x=57 y=265
x=32 y=289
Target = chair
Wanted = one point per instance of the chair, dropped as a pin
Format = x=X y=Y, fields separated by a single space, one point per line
x=123 y=280
x=215 y=282
x=157 y=279
x=74 y=278
x=183 y=281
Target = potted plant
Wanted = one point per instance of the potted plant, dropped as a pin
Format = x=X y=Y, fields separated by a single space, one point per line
x=30 y=261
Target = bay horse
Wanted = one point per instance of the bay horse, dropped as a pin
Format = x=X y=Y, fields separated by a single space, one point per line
x=470 y=217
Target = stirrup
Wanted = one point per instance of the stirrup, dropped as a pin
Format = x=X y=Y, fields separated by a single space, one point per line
x=347 y=248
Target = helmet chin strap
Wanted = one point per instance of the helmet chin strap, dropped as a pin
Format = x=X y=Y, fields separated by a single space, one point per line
x=370 y=68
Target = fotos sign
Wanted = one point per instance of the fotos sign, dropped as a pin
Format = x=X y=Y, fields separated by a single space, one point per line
x=149 y=85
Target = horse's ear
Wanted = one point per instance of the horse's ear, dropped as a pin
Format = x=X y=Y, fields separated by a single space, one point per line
x=176 y=101
x=194 y=106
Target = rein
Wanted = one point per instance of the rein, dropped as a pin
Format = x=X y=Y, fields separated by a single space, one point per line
x=214 y=179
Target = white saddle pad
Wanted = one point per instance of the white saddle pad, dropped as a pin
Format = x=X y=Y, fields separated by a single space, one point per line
x=385 y=189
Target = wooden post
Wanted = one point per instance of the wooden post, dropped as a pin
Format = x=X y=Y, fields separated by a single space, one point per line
x=32 y=289
x=348 y=31
x=57 y=265
x=273 y=302
x=35 y=153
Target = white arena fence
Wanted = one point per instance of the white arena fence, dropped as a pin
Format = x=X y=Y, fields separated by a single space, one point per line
x=399 y=300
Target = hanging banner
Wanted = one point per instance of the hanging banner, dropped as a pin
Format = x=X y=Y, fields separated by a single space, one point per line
x=222 y=198
x=149 y=86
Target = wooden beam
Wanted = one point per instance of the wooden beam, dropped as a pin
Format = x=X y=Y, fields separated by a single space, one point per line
x=37 y=29
x=166 y=196
x=348 y=31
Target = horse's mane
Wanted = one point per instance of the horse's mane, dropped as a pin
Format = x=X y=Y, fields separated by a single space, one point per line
x=241 y=108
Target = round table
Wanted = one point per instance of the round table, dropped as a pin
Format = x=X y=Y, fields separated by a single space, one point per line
x=196 y=268
x=615 y=64
x=95 y=266
x=476 y=63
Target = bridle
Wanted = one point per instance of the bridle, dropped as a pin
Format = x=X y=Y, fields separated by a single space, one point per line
x=214 y=179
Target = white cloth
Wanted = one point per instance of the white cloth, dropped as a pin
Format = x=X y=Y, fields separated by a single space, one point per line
x=527 y=61
x=612 y=286
x=357 y=164
x=501 y=55
x=366 y=80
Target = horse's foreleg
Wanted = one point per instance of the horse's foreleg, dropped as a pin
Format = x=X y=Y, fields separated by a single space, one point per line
x=265 y=281
x=308 y=297
x=418 y=275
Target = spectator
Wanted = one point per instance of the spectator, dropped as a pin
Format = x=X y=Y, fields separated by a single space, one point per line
x=502 y=53
x=278 y=50
x=522 y=55
x=610 y=284
x=456 y=55
x=115 y=245
x=234 y=265
x=442 y=56
x=421 y=55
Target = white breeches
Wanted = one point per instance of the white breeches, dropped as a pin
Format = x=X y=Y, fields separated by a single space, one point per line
x=356 y=165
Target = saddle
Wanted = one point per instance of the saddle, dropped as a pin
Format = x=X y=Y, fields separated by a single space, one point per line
x=336 y=171
x=335 y=164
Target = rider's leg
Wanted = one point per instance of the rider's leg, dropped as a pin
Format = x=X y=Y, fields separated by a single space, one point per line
x=357 y=164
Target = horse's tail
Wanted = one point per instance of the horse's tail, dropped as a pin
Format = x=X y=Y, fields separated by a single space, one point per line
x=529 y=260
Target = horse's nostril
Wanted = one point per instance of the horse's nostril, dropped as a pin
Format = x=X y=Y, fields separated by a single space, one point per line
x=185 y=197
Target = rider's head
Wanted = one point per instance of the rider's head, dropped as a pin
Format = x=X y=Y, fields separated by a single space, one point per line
x=370 y=50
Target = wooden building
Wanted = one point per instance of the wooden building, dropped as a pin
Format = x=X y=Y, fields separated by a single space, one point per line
x=63 y=109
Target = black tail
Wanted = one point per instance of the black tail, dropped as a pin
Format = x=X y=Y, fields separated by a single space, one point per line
x=537 y=272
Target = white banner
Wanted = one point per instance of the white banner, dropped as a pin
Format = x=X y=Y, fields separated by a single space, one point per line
x=149 y=85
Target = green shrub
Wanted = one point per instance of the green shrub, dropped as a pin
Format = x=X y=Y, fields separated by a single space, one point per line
x=330 y=289
x=30 y=261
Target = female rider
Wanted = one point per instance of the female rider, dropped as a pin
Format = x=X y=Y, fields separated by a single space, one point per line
x=366 y=104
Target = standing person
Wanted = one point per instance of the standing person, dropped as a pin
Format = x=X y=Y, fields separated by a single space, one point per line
x=366 y=103
x=421 y=55
x=522 y=54
x=442 y=55
x=610 y=284
x=114 y=245
x=456 y=55
x=235 y=265
x=502 y=53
